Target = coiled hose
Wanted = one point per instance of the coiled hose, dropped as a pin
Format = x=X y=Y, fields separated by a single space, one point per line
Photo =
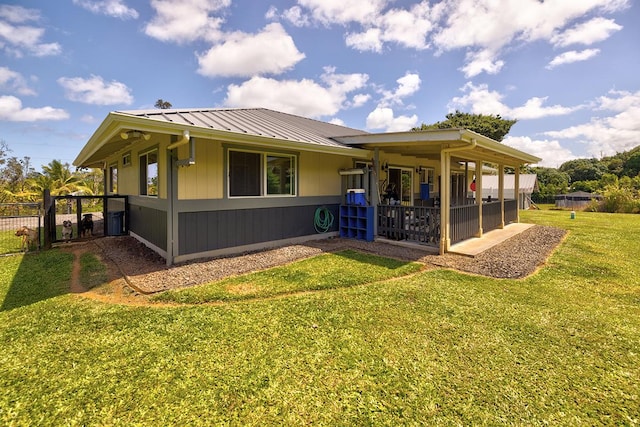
x=322 y=220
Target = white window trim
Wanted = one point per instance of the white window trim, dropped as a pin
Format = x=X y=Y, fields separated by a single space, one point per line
x=263 y=178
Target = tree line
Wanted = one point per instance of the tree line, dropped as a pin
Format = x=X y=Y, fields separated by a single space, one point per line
x=21 y=183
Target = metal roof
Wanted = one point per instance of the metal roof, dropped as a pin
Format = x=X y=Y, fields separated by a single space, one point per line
x=528 y=182
x=253 y=121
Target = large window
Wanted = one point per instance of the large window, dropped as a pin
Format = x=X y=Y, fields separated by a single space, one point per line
x=149 y=173
x=261 y=174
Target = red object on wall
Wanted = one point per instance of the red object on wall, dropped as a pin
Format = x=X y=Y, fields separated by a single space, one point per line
x=473 y=185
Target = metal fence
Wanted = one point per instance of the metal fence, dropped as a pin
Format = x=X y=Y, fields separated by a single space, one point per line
x=78 y=217
x=20 y=227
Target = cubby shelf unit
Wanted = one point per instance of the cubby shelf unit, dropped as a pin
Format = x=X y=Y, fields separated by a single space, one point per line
x=356 y=222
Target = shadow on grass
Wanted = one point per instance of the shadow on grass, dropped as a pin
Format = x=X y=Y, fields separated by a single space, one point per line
x=38 y=277
x=372 y=259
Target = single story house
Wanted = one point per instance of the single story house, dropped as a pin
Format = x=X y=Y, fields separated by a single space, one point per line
x=527 y=185
x=209 y=182
x=576 y=200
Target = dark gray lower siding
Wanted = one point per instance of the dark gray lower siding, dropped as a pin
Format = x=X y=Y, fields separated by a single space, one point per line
x=211 y=230
x=149 y=223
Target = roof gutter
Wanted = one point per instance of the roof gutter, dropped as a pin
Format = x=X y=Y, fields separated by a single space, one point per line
x=186 y=138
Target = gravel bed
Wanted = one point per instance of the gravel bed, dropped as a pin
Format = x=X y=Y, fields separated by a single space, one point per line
x=147 y=272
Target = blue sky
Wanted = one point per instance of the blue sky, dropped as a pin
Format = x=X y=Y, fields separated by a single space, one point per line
x=567 y=70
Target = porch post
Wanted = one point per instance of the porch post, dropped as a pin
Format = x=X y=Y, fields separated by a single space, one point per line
x=479 y=196
x=375 y=195
x=516 y=189
x=501 y=193
x=445 y=201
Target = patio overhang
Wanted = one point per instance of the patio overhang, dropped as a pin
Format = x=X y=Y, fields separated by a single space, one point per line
x=469 y=146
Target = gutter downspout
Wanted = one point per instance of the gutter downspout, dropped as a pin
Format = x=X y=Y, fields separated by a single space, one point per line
x=445 y=196
x=186 y=138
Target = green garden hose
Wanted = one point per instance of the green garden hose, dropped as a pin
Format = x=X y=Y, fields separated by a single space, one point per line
x=322 y=220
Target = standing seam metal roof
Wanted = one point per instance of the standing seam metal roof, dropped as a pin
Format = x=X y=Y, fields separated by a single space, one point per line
x=254 y=121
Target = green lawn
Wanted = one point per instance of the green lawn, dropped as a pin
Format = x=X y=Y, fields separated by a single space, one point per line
x=437 y=347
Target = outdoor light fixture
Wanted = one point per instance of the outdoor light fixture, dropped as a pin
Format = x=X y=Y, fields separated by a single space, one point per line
x=385 y=166
x=135 y=134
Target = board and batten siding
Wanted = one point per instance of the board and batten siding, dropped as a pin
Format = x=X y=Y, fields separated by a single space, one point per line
x=213 y=230
x=148 y=222
x=204 y=180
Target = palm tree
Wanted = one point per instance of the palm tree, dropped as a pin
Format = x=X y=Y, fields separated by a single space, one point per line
x=162 y=104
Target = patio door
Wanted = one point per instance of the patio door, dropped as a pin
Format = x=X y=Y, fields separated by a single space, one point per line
x=401 y=179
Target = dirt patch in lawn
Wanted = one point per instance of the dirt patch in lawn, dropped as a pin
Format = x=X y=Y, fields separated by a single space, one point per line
x=135 y=271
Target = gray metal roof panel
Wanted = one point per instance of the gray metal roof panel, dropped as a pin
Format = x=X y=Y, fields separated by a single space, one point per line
x=254 y=121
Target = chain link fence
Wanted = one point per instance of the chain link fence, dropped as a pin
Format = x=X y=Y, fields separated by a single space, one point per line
x=20 y=227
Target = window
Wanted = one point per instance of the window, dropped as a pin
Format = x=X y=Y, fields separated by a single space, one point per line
x=261 y=174
x=126 y=159
x=149 y=173
x=113 y=178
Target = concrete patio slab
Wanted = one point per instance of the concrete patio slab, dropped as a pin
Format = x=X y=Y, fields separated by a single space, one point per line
x=477 y=245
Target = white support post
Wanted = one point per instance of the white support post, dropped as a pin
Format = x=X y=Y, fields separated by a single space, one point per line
x=501 y=193
x=479 y=195
x=516 y=189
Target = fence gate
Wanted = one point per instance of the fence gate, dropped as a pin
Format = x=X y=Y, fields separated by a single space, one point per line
x=81 y=217
x=20 y=227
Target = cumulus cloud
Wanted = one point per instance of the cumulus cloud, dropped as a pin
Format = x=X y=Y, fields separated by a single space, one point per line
x=608 y=134
x=272 y=51
x=408 y=85
x=96 y=91
x=303 y=97
x=572 y=56
x=485 y=29
x=587 y=33
x=480 y=100
x=186 y=21
x=550 y=151
x=384 y=118
x=113 y=8
x=18 y=39
x=13 y=81
x=11 y=110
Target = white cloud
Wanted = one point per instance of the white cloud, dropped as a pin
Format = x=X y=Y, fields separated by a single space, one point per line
x=14 y=82
x=407 y=86
x=330 y=12
x=587 y=33
x=96 y=91
x=11 y=110
x=550 y=151
x=186 y=21
x=295 y=16
x=572 y=56
x=607 y=135
x=477 y=62
x=484 y=28
x=113 y=8
x=304 y=97
x=18 y=39
x=480 y=100
x=271 y=51
x=384 y=118
x=360 y=99
x=408 y=28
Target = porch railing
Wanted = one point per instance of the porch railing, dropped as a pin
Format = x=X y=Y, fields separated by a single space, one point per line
x=418 y=224
x=464 y=222
x=421 y=224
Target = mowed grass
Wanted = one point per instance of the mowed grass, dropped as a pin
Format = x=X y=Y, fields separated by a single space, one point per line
x=327 y=271
x=438 y=347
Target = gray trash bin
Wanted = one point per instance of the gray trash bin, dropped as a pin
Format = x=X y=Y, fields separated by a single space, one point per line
x=115 y=223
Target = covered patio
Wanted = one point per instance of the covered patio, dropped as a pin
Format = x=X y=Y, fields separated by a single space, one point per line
x=457 y=211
